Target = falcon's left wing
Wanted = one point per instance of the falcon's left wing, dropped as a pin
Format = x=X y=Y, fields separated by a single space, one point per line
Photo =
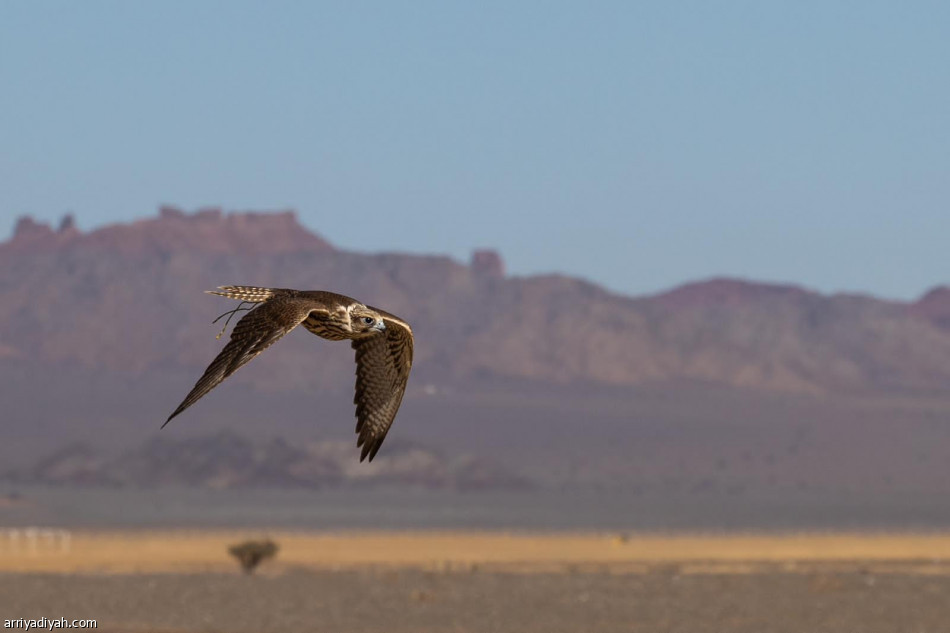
x=256 y=331
x=383 y=363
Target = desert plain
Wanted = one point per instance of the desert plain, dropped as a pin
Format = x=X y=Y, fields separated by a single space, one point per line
x=473 y=581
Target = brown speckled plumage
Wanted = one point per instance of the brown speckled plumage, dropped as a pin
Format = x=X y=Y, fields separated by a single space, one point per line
x=383 y=344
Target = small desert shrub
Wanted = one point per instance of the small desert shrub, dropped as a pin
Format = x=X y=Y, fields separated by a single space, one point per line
x=250 y=554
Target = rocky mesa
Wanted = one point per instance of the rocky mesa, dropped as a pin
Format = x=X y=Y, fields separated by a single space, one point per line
x=128 y=298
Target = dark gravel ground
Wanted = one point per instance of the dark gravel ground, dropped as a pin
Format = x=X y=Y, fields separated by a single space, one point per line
x=820 y=600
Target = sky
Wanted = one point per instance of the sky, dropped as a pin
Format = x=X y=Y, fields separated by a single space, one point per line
x=639 y=145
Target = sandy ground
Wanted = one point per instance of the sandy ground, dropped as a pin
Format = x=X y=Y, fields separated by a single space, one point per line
x=489 y=582
x=414 y=601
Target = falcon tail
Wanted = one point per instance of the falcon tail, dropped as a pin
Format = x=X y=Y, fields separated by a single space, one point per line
x=251 y=294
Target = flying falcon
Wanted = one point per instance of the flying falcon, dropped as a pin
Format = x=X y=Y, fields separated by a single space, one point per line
x=383 y=344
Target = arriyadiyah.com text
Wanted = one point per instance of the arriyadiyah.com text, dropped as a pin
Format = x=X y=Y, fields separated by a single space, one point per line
x=48 y=624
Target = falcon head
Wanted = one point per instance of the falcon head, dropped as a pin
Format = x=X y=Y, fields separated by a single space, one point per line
x=365 y=321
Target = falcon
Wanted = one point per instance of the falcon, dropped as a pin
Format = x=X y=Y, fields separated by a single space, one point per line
x=383 y=344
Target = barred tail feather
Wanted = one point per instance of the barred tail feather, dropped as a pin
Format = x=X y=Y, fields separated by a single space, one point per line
x=251 y=294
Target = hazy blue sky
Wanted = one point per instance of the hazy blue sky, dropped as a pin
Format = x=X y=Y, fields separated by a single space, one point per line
x=636 y=144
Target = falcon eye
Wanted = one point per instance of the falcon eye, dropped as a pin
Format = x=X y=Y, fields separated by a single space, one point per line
x=368 y=320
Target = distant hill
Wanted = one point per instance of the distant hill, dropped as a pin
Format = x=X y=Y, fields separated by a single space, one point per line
x=722 y=384
x=227 y=460
x=128 y=298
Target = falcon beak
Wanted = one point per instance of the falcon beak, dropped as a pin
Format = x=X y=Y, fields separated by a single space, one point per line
x=380 y=325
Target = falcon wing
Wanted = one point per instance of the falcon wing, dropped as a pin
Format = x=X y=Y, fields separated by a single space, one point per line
x=256 y=331
x=383 y=362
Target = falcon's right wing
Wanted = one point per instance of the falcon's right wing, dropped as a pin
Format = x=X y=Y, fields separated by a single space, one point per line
x=383 y=363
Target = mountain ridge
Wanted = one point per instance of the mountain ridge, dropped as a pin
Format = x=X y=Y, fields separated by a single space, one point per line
x=718 y=385
x=143 y=281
